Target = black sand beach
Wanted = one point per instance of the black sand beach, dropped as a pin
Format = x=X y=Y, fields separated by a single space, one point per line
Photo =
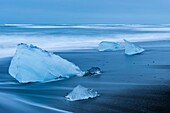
x=128 y=84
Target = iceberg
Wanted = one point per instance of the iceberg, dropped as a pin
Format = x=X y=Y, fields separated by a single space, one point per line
x=132 y=49
x=93 y=71
x=110 y=46
x=81 y=93
x=32 y=64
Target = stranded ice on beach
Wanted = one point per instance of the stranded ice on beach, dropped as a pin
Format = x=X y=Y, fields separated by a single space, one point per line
x=32 y=64
x=81 y=93
x=110 y=46
x=130 y=48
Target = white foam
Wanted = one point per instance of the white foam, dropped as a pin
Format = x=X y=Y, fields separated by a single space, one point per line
x=135 y=27
x=153 y=29
x=8 y=43
x=86 y=26
x=69 y=27
x=43 y=26
x=97 y=26
x=17 y=25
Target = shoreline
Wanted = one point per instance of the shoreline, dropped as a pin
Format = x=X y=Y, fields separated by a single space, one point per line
x=128 y=84
x=145 y=44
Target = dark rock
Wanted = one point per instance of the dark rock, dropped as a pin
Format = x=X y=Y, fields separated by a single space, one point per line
x=93 y=71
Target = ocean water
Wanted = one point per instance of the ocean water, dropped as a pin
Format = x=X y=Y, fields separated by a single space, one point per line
x=72 y=37
x=126 y=85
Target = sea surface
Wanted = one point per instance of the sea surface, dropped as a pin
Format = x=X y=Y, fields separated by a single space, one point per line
x=71 y=37
x=128 y=84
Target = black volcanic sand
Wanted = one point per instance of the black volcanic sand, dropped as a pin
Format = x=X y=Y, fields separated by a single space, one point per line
x=128 y=84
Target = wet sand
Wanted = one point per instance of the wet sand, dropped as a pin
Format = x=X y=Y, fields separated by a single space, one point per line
x=128 y=84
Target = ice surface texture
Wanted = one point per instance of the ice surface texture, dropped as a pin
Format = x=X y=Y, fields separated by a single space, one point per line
x=132 y=49
x=110 y=46
x=81 y=93
x=32 y=64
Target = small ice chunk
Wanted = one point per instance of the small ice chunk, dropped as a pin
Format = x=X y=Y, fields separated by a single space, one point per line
x=81 y=93
x=32 y=64
x=110 y=46
x=132 y=49
x=93 y=71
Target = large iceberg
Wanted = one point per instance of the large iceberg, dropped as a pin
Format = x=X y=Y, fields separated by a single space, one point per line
x=32 y=64
x=132 y=49
x=81 y=93
x=110 y=46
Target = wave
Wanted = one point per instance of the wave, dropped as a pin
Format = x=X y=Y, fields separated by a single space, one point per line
x=70 y=27
x=43 y=106
x=153 y=29
x=15 y=25
x=135 y=27
x=8 y=43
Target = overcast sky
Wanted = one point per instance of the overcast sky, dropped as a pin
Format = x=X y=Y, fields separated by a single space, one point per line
x=85 y=11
